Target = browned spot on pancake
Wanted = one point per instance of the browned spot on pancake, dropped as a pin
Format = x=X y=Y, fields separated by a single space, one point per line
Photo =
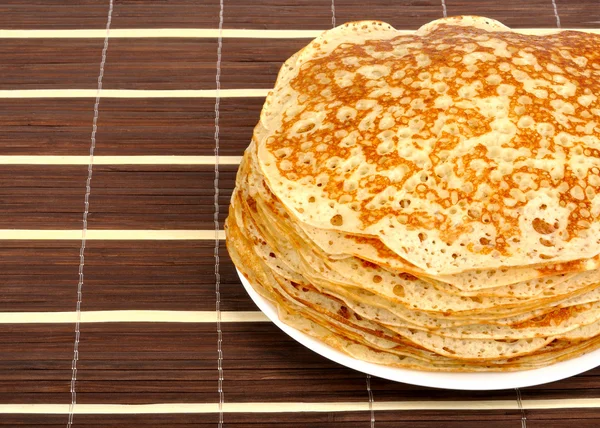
x=542 y=227
x=550 y=319
x=407 y=276
x=344 y=312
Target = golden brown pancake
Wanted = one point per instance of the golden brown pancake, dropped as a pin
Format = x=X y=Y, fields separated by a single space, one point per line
x=429 y=200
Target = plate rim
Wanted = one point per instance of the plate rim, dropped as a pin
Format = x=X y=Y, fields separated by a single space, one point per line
x=469 y=381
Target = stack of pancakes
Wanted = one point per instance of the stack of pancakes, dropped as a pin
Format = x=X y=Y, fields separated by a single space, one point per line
x=430 y=200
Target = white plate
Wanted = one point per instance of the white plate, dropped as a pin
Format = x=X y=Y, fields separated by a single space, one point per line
x=464 y=381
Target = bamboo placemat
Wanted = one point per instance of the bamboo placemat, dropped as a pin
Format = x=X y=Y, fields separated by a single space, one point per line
x=155 y=309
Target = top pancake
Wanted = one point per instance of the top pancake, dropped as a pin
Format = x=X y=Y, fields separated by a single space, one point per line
x=463 y=146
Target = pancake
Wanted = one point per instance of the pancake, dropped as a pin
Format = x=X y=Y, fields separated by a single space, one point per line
x=429 y=201
x=431 y=142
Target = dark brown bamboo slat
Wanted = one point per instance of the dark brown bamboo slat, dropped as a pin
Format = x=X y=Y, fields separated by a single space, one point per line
x=40 y=276
x=28 y=350
x=585 y=385
x=158 y=197
x=152 y=350
x=538 y=416
x=579 y=14
x=160 y=126
x=46 y=126
x=268 y=14
x=512 y=13
x=123 y=196
x=191 y=63
x=162 y=63
x=166 y=126
x=256 y=420
x=167 y=275
x=249 y=64
x=92 y=14
x=429 y=419
x=586 y=418
x=518 y=14
x=307 y=14
x=406 y=15
x=48 y=14
x=49 y=63
x=176 y=126
x=423 y=419
x=41 y=196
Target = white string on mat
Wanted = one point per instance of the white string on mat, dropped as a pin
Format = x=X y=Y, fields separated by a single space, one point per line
x=371 y=401
x=556 y=14
x=444 y=10
x=86 y=211
x=333 y=13
x=520 y=403
x=216 y=222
